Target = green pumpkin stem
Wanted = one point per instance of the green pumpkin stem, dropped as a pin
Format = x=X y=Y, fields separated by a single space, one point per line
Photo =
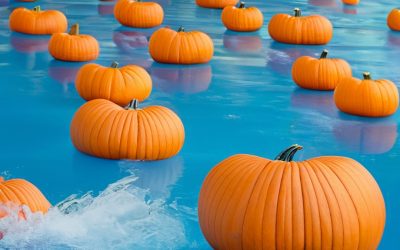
x=367 y=76
x=241 y=5
x=324 y=54
x=134 y=104
x=181 y=29
x=37 y=9
x=114 y=65
x=297 y=12
x=74 y=29
x=288 y=154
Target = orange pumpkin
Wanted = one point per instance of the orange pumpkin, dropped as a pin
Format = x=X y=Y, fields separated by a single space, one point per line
x=393 y=19
x=138 y=14
x=73 y=46
x=367 y=97
x=328 y=202
x=119 y=85
x=104 y=129
x=319 y=74
x=299 y=29
x=169 y=46
x=216 y=4
x=37 y=21
x=19 y=192
x=242 y=18
x=351 y=2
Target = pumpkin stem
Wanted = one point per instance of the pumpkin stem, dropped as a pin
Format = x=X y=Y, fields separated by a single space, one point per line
x=181 y=29
x=37 y=9
x=324 y=54
x=114 y=64
x=133 y=104
x=241 y=5
x=367 y=76
x=288 y=154
x=297 y=12
x=74 y=30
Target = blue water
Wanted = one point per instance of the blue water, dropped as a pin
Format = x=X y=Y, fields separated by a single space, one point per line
x=243 y=101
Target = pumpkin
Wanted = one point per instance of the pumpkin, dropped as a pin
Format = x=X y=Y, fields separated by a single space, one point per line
x=188 y=79
x=351 y=2
x=104 y=129
x=297 y=29
x=216 y=4
x=393 y=19
x=169 y=46
x=19 y=192
x=119 y=85
x=319 y=74
x=37 y=21
x=138 y=14
x=367 y=97
x=73 y=46
x=328 y=202
x=242 y=18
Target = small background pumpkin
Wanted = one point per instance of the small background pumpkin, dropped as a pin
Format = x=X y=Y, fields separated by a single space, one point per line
x=297 y=29
x=138 y=14
x=104 y=129
x=73 y=46
x=351 y=2
x=119 y=85
x=37 y=21
x=393 y=19
x=180 y=47
x=216 y=4
x=242 y=18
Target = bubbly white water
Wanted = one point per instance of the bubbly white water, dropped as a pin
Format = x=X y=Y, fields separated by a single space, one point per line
x=120 y=217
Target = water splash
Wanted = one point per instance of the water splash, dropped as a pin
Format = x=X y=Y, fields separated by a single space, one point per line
x=120 y=217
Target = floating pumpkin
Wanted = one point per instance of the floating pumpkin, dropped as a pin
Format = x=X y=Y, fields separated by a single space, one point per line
x=169 y=46
x=351 y=2
x=242 y=18
x=19 y=192
x=319 y=74
x=393 y=19
x=249 y=202
x=216 y=4
x=37 y=21
x=73 y=46
x=367 y=97
x=297 y=29
x=138 y=14
x=119 y=85
x=189 y=79
x=102 y=128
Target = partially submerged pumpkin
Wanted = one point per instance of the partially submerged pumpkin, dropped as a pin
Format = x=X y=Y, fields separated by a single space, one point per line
x=328 y=202
x=102 y=128
x=297 y=29
x=38 y=21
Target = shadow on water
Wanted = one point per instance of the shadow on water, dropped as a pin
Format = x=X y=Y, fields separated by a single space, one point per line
x=247 y=42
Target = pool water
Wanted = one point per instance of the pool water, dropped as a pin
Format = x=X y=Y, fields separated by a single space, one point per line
x=243 y=101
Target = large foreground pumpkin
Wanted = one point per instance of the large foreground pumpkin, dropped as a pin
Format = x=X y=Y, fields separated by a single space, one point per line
x=18 y=192
x=329 y=202
x=104 y=129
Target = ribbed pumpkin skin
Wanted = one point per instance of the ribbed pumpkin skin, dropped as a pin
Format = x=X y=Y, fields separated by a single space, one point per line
x=216 y=4
x=351 y=2
x=311 y=30
x=242 y=19
x=104 y=129
x=372 y=98
x=393 y=20
x=169 y=46
x=319 y=73
x=119 y=85
x=74 y=48
x=248 y=202
x=21 y=192
x=138 y=14
x=37 y=22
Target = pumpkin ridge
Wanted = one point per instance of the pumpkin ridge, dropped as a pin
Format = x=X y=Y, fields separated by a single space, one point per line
x=18 y=194
x=120 y=132
x=171 y=127
x=96 y=125
x=149 y=135
x=107 y=130
x=163 y=142
x=114 y=139
x=9 y=193
x=30 y=199
x=95 y=89
x=306 y=184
